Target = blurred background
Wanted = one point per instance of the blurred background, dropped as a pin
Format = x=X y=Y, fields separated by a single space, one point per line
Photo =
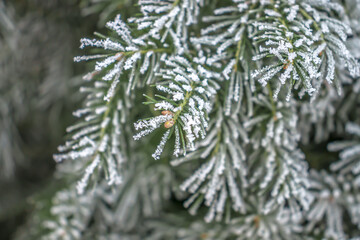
x=38 y=86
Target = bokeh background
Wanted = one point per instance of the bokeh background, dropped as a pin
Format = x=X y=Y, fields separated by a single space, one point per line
x=38 y=86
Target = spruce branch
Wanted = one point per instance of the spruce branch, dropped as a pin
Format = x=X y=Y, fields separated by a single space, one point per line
x=191 y=91
x=349 y=162
x=276 y=165
x=229 y=77
x=335 y=197
x=223 y=174
x=169 y=20
x=277 y=224
x=300 y=46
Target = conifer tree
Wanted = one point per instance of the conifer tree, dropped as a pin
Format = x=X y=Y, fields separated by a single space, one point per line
x=201 y=120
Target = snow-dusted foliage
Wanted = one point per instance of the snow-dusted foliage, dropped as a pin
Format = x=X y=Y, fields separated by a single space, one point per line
x=277 y=224
x=224 y=171
x=106 y=211
x=134 y=57
x=296 y=42
x=274 y=138
x=169 y=19
x=297 y=35
x=318 y=117
x=305 y=43
x=185 y=111
x=71 y=214
x=234 y=93
x=336 y=197
x=96 y=140
x=145 y=192
x=349 y=161
x=255 y=225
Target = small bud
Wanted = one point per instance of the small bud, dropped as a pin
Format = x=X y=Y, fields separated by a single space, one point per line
x=169 y=124
x=257 y=221
x=119 y=56
x=286 y=66
x=167 y=113
x=204 y=236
